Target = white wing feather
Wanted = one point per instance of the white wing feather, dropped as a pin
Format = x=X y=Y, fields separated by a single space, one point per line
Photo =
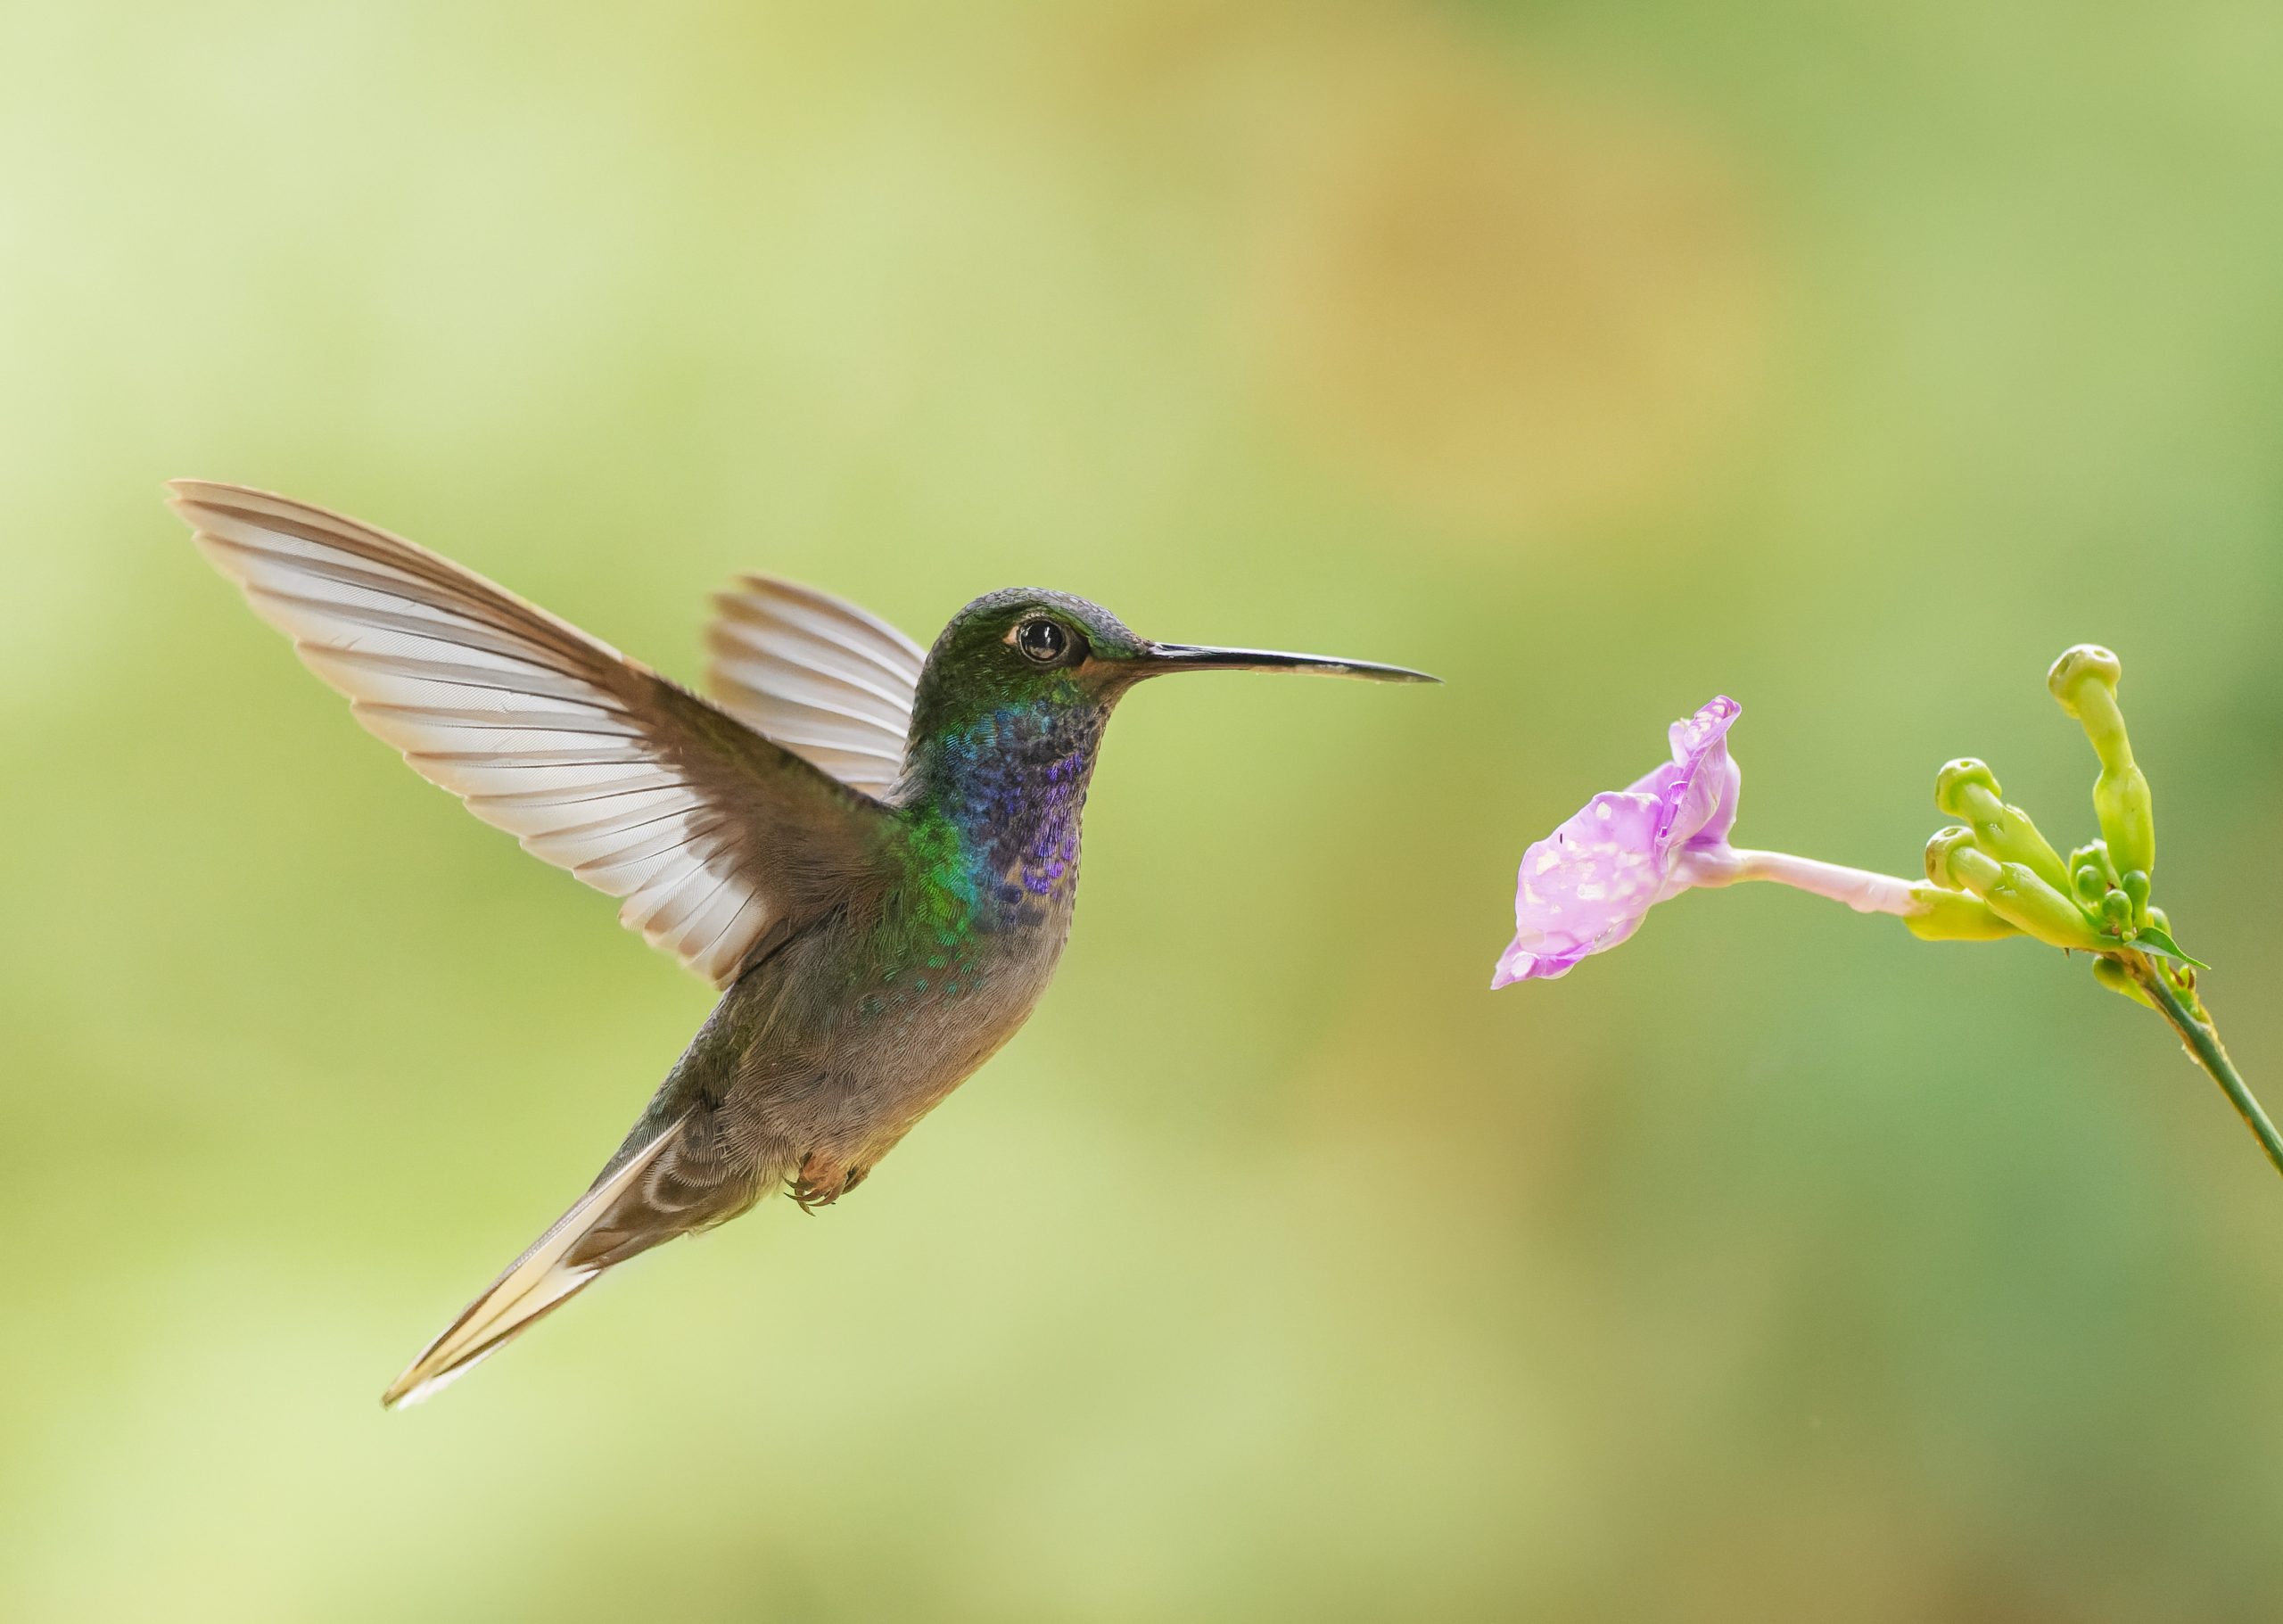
x=522 y=715
x=818 y=675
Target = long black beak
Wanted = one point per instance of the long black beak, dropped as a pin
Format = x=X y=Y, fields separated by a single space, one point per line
x=1160 y=658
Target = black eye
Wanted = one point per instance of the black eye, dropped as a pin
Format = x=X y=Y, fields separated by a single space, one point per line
x=1042 y=641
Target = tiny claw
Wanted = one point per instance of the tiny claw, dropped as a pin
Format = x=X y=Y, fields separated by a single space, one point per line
x=820 y=1182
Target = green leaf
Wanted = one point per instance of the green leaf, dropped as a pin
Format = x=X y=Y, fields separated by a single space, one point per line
x=2149 y=938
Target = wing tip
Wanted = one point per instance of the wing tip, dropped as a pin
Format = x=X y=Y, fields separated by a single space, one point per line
x=194 y=500
x=188 y=493
x=182 y=498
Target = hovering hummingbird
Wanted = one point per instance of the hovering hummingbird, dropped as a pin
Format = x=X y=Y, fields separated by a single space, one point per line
x=871 y=850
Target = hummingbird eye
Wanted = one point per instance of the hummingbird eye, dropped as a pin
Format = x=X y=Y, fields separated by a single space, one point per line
x=1042 y=641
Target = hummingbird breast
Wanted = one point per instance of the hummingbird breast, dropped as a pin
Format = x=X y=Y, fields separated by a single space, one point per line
x=995 y=812
x=854 y=1031
x=988 y=865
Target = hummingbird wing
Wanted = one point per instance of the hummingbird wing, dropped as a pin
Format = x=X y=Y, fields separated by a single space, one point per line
x=714 y=837
x=816 y=674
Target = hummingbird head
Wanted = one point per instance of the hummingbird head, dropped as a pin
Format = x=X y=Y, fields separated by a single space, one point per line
x=1007 y=722
x=1032 y=650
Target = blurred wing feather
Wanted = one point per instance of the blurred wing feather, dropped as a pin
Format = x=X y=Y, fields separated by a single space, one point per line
x=818 y=675
x=598 y=765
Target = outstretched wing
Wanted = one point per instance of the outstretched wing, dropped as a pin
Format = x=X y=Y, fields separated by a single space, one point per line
x=817 y=675
x=713 y=835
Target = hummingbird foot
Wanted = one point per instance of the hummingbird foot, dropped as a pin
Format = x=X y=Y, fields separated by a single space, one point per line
x=822 y=1182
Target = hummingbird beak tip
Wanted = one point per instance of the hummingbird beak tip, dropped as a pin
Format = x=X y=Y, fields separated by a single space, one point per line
x=1160 y=658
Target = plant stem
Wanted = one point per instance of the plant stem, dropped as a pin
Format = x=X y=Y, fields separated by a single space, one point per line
x=2202 y=1038
x=1859 y=888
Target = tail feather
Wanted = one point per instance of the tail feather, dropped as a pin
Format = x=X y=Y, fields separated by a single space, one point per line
x=542 y=1280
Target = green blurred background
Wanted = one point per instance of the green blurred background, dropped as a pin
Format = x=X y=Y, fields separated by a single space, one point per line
x=1850 y=360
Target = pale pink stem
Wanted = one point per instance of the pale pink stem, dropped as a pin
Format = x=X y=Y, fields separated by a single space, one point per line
x=1859 y=888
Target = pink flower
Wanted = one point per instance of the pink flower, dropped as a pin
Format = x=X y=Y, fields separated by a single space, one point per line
x=1588 y=887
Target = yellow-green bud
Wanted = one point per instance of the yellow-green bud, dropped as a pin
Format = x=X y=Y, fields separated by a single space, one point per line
x=2116 y=978
x=2085 y=663
x=2135 y=886
x=1942 y=915
x=2012 y=890
x=2090 y=871
x=2084 y=680
x=1967 y=790
x=1940 y=852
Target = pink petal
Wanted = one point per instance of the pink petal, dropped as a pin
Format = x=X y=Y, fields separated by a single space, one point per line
x=1700 y=785
x=1587 y=886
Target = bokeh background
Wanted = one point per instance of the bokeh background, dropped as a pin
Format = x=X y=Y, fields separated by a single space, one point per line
x=1850 y=360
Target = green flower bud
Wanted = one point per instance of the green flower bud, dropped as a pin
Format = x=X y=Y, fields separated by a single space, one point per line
x=2084 y=680
x=2116 y=912
x=2116 y=978
x=2127 y=811
x=2090 y=869
x=2043 y=912
x=1940 y=852
x=2013 y=890
x=1967 y=790
x=2085 y=662
x=1941 y=915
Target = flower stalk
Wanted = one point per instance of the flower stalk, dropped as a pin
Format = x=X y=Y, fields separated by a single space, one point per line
x=2189 y=1018
x=1859 y=888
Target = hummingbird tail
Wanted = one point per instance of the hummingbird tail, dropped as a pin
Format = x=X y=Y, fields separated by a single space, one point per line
x=555 y=1269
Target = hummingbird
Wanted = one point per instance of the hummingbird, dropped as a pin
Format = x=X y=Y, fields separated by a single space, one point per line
x=871 y=850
